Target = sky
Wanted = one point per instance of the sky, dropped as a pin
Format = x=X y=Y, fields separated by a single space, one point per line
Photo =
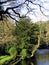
x=36 y=14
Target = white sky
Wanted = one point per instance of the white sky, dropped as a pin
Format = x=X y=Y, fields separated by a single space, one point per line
x=39 y=16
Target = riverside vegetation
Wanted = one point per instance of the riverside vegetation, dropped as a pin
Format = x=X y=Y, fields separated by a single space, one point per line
x=19 y=42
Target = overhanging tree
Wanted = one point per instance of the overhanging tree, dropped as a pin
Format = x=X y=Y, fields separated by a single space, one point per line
x=27 y=36
x=13 y=8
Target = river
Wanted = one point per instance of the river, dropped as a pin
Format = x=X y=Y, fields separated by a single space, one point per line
x=42 y=57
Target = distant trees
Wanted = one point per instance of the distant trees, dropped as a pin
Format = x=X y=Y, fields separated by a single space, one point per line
x=44 y=27
x=47 y=32
x=6 y=28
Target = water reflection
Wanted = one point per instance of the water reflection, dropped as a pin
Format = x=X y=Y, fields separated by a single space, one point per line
x=42 y=57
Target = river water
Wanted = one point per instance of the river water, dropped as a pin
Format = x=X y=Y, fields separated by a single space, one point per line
x=42 y=57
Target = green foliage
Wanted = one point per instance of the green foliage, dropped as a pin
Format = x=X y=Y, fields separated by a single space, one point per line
x=23 y=62
x=5 y=59
x=26 y=38
x=44 y=26
x=26 y=30
x=12 y=50
x=26 y=34
x=23 y=53
x=12 y=55
x=47 y=32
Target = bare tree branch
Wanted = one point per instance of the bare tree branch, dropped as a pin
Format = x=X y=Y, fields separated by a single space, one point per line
x=20 y=5
x=6 y=1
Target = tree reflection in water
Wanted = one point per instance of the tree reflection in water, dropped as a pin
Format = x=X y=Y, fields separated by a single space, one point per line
x=42 y=57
